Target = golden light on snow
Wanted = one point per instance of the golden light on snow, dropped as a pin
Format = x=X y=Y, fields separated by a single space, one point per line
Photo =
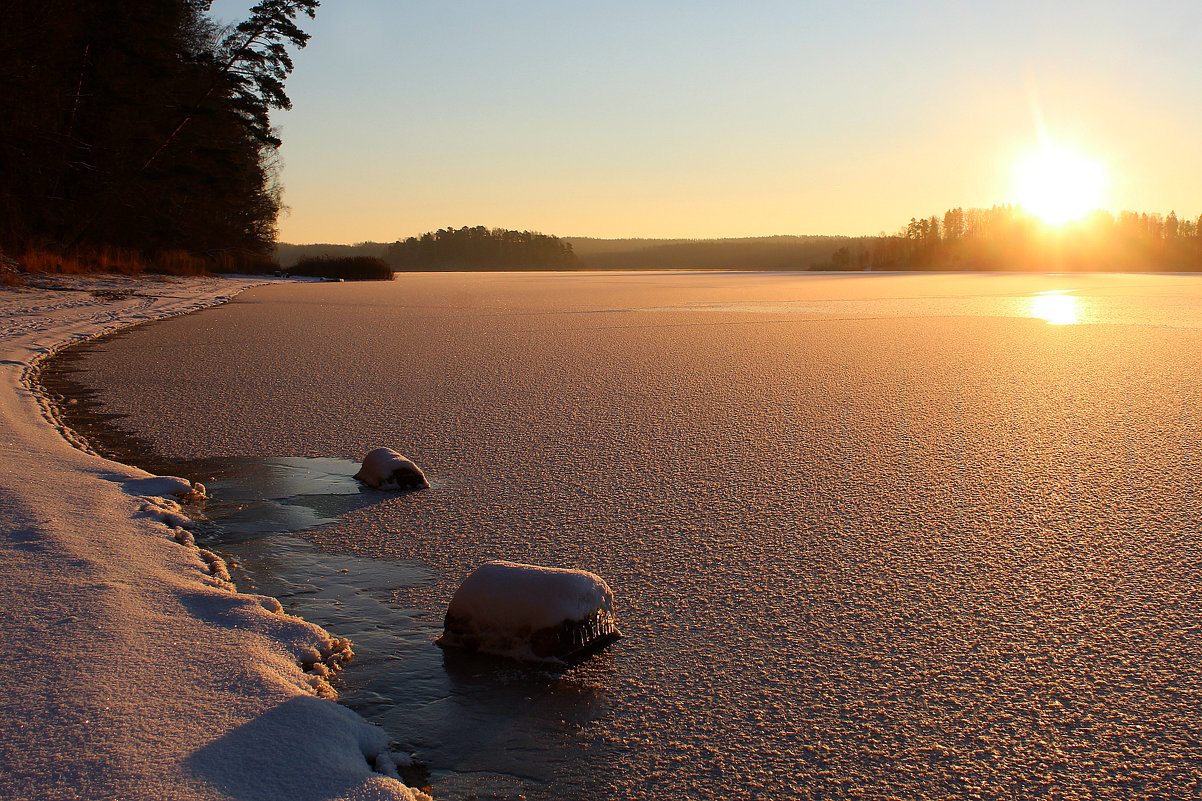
x=1058 y=185
x=1055 y=307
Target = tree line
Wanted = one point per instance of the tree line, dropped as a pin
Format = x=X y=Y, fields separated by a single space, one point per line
x=749 y=253
x=142 y=124
x=1006 y=237
x=481 y=248
x=998 y=238
x=744 y=253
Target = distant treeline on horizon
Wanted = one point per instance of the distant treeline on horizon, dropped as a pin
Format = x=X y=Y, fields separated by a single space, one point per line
x=998 y=238
x=479 y=248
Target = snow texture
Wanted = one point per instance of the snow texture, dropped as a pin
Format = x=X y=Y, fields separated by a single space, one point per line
x=530 y=612
x=386 y=469
x=142 y=674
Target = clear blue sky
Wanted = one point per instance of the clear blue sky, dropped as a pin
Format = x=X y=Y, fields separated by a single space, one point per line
x=672 y=119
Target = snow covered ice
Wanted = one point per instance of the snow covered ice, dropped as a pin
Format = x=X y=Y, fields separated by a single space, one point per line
x=529 y=612
x=874 y=535
x=385 y=469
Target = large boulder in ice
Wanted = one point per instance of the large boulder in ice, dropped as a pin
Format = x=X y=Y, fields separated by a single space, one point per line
x=531 y=613
x=386 y=469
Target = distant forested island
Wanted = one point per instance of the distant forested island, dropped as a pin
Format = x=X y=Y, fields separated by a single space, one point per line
x=997 y=238
x=481 y=248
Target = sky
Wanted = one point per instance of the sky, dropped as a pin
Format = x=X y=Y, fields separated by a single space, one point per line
x=715 y=119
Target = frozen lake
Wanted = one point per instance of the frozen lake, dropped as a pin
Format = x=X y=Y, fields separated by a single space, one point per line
x=869 y=535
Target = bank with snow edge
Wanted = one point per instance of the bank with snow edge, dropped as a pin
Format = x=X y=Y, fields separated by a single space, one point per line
x=141 y=673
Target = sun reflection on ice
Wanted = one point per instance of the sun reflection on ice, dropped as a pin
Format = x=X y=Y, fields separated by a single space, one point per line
x=1055 y=307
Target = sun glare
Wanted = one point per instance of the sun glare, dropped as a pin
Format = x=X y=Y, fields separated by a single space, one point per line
x=1059 y=186
x=1055 y=307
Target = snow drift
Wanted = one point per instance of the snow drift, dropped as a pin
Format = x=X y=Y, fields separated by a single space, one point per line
x=531 y=613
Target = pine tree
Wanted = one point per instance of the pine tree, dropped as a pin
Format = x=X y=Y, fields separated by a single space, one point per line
x=139 y=125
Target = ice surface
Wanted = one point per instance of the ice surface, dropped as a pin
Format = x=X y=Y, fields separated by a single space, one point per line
x=903 y=544
x=384 y=468
x=141 y=673
x=530 y=612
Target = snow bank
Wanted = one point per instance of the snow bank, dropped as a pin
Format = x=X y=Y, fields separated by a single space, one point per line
x=386 y=469
x=529 y=612
x=139 y=672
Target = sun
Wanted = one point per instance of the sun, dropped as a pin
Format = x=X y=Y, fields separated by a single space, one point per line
x=1058 y=185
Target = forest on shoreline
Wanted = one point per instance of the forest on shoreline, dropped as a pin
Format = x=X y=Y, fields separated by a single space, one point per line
x=999 y=238
x=1008 y=238
x=138 y=134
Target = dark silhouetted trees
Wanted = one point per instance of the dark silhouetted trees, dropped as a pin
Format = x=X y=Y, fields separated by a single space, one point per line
x=1008 y=238
x=141 y=124
x=350 y=268
x=481 y=248
x=746 y=253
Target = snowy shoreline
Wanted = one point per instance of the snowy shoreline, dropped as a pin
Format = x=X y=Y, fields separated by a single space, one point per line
x=142 y=673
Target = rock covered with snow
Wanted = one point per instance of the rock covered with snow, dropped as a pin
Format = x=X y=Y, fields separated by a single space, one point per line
x=167 y=485
x=530 y=612
x=386 y=469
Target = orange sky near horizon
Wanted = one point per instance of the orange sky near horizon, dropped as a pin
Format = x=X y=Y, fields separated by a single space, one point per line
x=667 y=119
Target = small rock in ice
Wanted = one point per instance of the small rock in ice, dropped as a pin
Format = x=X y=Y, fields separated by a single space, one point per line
x=386 y=469
x=167 y=485
x=529 y=612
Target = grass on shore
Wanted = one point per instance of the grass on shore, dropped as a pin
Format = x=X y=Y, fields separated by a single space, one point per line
x=123 y=261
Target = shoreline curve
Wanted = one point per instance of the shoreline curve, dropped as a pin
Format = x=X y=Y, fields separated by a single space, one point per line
x=146 y=674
